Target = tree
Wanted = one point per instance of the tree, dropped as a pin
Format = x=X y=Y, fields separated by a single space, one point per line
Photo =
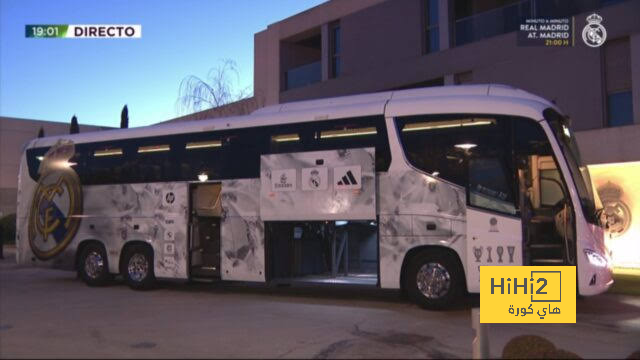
x=74 y=128
x=41 y=132
x=220 y=88
x=124 y=118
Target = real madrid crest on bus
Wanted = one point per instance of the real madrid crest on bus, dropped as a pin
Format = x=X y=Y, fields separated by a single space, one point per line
x=57 y=202
x=594 y=34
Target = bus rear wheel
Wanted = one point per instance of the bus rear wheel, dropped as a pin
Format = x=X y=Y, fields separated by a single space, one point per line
x=93 y=268
x=434 y=280
x=137 y=268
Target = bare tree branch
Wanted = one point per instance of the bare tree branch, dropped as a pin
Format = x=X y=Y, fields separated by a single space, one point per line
x=219 y=88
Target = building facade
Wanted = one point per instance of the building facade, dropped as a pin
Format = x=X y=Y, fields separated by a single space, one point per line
x=361 y=46
x=14 y=134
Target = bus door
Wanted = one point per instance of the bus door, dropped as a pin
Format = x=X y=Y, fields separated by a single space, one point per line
x=548 y=220
x=547 y=214
x=204 y=222
x=519 y=211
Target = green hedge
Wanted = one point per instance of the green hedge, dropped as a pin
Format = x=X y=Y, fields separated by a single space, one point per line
x=8 y=224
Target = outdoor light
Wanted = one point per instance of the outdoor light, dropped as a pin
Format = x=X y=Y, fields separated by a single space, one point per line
x=347 y=132
x=203 y=144
x=153 y=148
x=465 y=146
x=341 y=223
x=435 y=173
x=432 y=125
x=566 y=131
x=285 y=138
x=65 y=164
x=107 y=152
x=203 y=177
x=40 y=158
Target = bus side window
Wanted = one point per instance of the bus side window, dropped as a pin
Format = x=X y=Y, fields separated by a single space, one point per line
x=196 y=155
x=352 y=133
x=102 y=163
x=534 y=155
x=471 y=151
x=489 y=185
x=245 y=148
x=289 y=138
x=491 y=177
x=34 y=158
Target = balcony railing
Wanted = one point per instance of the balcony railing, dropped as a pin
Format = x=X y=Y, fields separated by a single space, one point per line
x=303 y=75
x=491 y=23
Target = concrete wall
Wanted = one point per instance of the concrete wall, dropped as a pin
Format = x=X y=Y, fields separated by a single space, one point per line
x=571 y=78
x=382 y=50
x=634 y=41
x=266 y=55
x=293 y=55
x=240 y=107
x=373 y=36
x=610 y=145
x=14 y=134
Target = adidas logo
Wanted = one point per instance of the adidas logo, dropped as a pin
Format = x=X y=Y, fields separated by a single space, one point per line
x=348 y=179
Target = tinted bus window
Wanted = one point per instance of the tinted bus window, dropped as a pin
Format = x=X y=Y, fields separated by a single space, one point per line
x=354 y=133
x=226 y=154
x=471 y=151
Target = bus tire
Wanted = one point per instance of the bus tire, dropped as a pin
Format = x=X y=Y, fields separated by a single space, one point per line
x=137 y=268
x=434 y=279
x=93 y=267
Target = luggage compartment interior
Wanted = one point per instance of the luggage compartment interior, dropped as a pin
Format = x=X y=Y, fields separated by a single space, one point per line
x=333 y=252
x=204 y=249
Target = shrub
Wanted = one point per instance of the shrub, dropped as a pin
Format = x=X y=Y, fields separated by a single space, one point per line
x=8 y=223
x=534 y=347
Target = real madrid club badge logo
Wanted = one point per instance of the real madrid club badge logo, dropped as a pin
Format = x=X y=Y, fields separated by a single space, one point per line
x=56 y=204
x=314 y=179
x=594 y=34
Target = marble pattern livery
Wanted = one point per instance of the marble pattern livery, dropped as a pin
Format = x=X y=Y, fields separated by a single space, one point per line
x=155 y=213
x=416 y=210
x=242 y=231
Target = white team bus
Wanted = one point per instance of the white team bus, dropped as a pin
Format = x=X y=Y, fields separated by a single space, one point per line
x=411 y=190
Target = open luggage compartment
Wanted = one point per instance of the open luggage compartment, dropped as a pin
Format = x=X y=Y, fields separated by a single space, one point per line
x=335 y=252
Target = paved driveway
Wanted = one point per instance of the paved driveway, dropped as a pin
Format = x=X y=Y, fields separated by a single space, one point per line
x=49 y=313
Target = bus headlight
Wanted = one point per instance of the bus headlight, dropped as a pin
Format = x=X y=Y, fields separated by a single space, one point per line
x=595 y=259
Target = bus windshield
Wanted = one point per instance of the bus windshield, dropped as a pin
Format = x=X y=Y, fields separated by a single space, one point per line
x=579 y=171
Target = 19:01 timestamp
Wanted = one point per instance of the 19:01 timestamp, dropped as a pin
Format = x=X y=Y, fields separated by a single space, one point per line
x=45 y=31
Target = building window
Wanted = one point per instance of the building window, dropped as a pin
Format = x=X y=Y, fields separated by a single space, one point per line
x=617 y=71
x=431 y=31
x=619 y=109
x=336 y=50
x=301 y=60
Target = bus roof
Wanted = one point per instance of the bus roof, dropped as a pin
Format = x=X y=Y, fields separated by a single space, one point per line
x=390 y=103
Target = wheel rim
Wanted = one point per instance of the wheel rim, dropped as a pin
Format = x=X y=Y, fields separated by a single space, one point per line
x=433 y=280
x=138 y=267
x=94 y=264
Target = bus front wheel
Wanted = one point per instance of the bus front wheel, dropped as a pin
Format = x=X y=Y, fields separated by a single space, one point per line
x=435 y=279
x=137 y=268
